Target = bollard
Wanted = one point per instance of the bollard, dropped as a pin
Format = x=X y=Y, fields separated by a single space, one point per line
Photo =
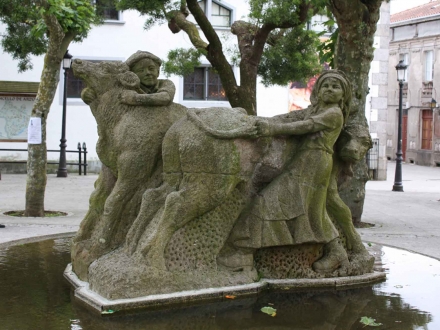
x=79 y=158
x=85 y=158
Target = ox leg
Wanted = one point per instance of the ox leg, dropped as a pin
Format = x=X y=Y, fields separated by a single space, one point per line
x=198 y=194
x=122 y=206
x=153 y=201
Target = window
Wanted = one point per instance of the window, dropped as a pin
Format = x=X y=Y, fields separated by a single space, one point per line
x=317 y=24
x=405 y=59
x=429 y=61
x=203 y=84
x=218 y=14
x=75 y=85
x=427 y=129
x=107 y=10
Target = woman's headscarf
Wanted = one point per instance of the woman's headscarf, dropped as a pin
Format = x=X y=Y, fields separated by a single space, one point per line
x=345 y=84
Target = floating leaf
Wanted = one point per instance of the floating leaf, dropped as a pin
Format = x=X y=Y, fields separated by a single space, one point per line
x=230 y=297
x=269 y=310
x=110 y=311
x=365 y=320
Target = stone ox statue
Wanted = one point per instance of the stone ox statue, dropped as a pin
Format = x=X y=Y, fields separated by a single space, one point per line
x=198 y=198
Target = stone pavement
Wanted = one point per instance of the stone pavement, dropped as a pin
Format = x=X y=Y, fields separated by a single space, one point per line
x=69 y=194
x=408 y=220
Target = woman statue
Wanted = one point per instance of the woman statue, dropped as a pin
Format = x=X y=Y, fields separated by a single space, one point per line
x=291 y=210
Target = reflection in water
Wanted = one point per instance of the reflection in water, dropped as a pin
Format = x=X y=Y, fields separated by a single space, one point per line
x=36 y=296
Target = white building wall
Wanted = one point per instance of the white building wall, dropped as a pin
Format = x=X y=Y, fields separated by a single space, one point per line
x=376 y=103
x=117 y=41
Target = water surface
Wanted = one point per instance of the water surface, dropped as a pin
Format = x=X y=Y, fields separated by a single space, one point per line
x=35 y=295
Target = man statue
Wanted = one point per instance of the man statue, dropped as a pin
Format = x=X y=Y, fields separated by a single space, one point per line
x=156 y=92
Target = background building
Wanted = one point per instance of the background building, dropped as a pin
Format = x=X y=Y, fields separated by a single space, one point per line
x=376 y=102
x=122 y=35
x=415 y=40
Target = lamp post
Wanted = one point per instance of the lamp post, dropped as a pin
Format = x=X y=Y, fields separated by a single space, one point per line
x=62 y=170
x=401 y=73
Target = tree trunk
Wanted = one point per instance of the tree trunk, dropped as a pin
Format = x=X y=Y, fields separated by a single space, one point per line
x=357 y=22
x=251 y=42
x=37 y=155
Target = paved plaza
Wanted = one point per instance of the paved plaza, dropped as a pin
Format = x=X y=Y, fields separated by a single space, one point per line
x=408 y=220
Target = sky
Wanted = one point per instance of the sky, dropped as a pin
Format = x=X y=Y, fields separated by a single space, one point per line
x=397 y=6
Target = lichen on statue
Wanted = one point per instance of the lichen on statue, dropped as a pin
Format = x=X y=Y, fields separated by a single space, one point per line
x=195 y=198
x=291 y=210
x=133 y=110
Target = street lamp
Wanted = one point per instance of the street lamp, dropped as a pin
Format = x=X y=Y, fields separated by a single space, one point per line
x=401 y=73
x=62 y=170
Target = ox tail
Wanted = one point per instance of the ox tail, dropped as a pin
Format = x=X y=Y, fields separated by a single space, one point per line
x=248 y=131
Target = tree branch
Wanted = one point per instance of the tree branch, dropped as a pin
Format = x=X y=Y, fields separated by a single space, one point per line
x=56 y=35
x=215 y=53
x=245 y=33
x=178 y=18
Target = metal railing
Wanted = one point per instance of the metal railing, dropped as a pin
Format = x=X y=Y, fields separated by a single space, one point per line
x=372 y=158
x=81 y=151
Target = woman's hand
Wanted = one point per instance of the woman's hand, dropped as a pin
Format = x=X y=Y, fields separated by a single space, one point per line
x=263 y=127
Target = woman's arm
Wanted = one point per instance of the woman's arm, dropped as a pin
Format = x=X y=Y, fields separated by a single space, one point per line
x=329 y=119
x=294 y=128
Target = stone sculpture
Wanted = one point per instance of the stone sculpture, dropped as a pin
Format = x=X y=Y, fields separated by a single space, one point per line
x=129 y=146
x=230 y=198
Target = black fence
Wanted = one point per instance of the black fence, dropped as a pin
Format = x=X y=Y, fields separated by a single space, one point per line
x=373 y=159
x=81 y=151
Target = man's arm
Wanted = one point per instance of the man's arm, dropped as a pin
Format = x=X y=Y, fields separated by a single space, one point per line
x=134 y=98
x=163 y=96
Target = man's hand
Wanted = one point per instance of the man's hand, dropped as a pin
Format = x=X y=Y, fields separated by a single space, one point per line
x=88 y=95
x=129 y=97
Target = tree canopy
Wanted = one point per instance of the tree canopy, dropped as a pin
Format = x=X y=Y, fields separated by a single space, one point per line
x=27 y=32
x=36 y=27
x=272 y=42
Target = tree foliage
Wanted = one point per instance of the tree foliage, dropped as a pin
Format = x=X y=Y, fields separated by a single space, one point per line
x=182 y=61
x=272 y=43
x=26 y=29
x=293 y=58
x=36 y=27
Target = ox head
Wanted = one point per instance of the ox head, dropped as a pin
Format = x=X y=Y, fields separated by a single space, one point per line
x=104 y=76
x=353 y=143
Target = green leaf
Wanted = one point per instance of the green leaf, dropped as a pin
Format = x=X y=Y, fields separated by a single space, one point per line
x=110 y=311
x=269 y=310
x=182 y=61
x=365 y=320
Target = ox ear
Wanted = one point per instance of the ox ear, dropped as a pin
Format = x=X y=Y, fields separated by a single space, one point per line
x=129 y=80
